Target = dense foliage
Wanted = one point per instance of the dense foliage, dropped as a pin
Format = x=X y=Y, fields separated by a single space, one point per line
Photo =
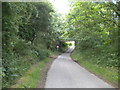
x=28 y=35
x=94 y=27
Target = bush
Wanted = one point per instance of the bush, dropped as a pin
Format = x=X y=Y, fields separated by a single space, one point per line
x=21 y=48
x=41 y=53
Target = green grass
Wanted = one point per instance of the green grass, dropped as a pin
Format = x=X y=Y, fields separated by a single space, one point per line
x=31 y=78
x=108 y=74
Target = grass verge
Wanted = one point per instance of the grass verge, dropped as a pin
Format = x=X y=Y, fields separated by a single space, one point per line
x=108 y=74
x=33 y=76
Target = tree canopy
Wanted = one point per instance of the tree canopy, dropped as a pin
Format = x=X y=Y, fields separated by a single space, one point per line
x=94 y=27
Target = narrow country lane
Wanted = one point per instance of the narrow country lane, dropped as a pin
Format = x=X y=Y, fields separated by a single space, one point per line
x=65 y=73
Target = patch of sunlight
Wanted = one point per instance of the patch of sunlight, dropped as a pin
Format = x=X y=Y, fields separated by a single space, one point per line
x=62 y=6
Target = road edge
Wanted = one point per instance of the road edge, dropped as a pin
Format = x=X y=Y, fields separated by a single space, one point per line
x=101 y=77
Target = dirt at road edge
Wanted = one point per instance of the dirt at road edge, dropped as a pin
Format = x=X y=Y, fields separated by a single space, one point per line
x=41 y=83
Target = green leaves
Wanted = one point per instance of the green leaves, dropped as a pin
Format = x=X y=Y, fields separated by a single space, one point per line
x=93 y=27
x=29 y=31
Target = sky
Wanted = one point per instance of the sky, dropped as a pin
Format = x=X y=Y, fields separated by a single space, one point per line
x=62 y=6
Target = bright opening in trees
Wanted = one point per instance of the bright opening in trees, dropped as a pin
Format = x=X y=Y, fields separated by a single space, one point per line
x=62 y=6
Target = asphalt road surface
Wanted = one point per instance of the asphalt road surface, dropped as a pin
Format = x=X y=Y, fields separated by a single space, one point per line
x=65 y=73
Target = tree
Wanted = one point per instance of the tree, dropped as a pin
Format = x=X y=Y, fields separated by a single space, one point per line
x=94 y=27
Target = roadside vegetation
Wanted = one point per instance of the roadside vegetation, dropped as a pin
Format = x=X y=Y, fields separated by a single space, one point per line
x=34 y=75
x=31 y=78
x=30 y=33
x=94 y=27
x=109 y=74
